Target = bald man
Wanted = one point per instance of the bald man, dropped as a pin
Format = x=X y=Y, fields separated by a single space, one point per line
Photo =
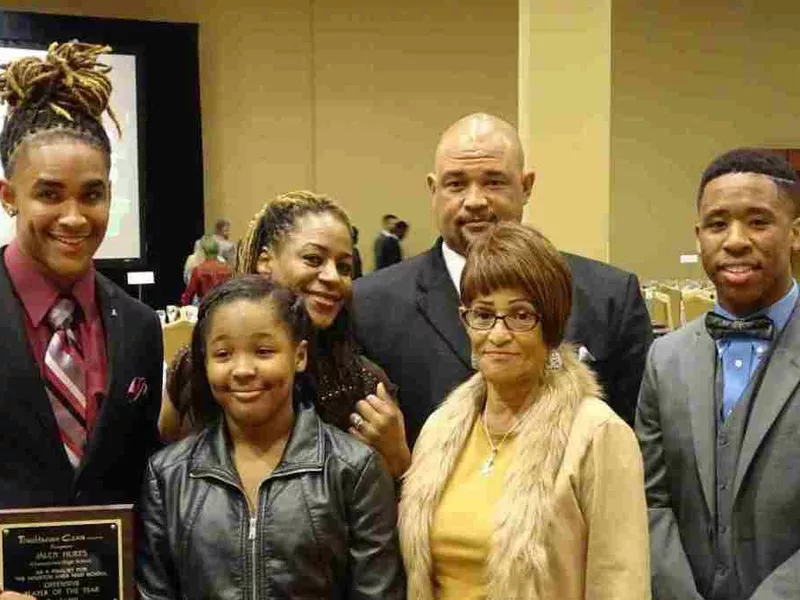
x=407 y=315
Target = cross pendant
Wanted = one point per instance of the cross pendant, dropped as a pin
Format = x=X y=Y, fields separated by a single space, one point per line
x=488 y=465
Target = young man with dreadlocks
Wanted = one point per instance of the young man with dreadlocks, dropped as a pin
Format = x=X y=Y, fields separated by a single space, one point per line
x=80 y=378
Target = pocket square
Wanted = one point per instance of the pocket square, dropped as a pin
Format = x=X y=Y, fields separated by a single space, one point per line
x=585 y=356
x=136 y=389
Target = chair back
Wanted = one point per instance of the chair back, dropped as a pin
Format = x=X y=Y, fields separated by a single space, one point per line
x=659 y=305
x=674 y=296
x=176 y=335
x=696 y=304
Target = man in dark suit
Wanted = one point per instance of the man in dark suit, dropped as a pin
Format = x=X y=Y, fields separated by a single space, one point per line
x=35 y=469
x=719 y=411
x=387 y=244
x=407 y=316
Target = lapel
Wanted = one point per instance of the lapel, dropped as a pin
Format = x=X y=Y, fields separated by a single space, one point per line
x=437 y=300
x=113 y=327
x=572 y=331
x=38 y=421
x=699 y=365
x=781 y=378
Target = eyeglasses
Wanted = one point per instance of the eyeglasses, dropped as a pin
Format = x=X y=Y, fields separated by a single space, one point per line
x=483 y=320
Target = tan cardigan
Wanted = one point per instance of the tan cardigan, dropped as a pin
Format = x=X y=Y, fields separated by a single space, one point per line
x=572 y=522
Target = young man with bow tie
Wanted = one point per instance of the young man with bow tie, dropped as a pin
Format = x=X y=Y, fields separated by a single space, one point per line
x=718 y=417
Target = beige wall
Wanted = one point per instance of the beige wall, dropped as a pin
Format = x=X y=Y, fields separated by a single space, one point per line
x=689 y=81
x=346 y=97
x=349 y=96
x=390 y=77
x=564 y=108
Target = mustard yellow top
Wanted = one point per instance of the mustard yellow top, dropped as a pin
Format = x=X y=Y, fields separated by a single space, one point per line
x=462 y=523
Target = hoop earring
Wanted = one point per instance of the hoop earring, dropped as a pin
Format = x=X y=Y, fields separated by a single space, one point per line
x=11 y=212
x=554 y=361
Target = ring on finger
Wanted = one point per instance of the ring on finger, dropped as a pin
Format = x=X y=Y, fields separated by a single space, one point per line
x=357 y=420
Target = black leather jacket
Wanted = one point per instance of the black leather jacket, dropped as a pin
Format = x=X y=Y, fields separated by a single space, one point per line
x=325 y=525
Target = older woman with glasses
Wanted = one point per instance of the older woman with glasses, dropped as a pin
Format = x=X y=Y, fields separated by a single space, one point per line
x=524 y=484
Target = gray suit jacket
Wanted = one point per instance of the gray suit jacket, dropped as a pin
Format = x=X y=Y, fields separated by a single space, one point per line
x=676 y=428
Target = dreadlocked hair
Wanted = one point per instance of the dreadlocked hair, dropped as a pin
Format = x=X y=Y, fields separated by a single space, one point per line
x=276 y=219
x=337 y=372
x=63 y=95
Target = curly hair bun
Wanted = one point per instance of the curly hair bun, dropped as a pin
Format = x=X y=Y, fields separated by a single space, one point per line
x=69 y=88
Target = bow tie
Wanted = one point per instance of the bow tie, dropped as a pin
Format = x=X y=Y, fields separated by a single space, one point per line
x=721 y=328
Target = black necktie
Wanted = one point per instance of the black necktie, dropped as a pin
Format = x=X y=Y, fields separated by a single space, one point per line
x=721 y=328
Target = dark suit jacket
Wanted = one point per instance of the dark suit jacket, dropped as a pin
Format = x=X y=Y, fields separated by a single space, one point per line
x=34 y=469
x=387 y=251
x=406 y=320
x=676 y=428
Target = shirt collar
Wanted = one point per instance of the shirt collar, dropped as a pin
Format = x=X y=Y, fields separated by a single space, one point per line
x=455 y=264
x=779 y=312
x=38 y=293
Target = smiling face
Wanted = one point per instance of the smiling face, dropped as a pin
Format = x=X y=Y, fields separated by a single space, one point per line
x=315 y=260
x=61 y=193
x=747 y=232
x=478 y=180
x=251 y=362
x=507 y=357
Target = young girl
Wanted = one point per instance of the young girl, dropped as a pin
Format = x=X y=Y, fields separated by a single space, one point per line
x=303 y=241
x=268 y=500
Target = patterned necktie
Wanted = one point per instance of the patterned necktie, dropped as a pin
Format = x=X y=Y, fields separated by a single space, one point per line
x=720 y=328
x=65 y=379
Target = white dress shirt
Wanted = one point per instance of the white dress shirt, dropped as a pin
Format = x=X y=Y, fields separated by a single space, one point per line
x=455 y=264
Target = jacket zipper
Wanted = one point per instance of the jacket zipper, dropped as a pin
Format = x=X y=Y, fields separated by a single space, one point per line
x=252 y=537
x=252 y=523
x=252 y=530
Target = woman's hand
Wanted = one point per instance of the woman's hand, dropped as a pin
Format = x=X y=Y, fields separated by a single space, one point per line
x=14 y=596
x=379 y=423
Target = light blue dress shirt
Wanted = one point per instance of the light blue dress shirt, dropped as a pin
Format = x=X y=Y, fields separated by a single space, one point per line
x=741 y=356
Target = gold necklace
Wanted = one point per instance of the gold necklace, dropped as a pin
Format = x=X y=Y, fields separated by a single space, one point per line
x=488 y=464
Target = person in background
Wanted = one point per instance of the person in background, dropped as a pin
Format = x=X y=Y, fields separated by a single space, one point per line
x=227 y=248
x=208 y=274
x=303 y=241
x=524 y=484
x=194 y=259
x=401 y=230
x=267 y=500
x=718 y=418
x=387 y=246
x=358 y=268
x=80 y=378
x=406 y=317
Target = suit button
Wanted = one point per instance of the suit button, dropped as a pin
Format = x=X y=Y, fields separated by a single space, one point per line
x=723 y=440
x=723 y=529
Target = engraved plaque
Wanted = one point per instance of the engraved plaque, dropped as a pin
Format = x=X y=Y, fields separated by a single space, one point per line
x=81 y=553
